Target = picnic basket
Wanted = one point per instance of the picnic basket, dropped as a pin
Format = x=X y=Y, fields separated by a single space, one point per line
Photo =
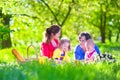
x=20 y=58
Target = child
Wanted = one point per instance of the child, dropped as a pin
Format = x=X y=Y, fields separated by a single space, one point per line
x=90 y=54
x=60 y=54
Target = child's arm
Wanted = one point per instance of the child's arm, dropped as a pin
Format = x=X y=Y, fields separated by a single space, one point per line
x=67 y=58
x=56 y=54
x=86 y=58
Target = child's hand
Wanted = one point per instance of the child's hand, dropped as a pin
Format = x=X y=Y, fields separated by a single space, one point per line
x=91 y=60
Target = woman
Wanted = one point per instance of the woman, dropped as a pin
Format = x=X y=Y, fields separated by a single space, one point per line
x=51 y=41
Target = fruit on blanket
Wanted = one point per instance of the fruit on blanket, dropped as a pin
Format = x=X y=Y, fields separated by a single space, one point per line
x=41 y=60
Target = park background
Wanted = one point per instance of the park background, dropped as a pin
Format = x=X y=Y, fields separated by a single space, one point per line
x=23 y=22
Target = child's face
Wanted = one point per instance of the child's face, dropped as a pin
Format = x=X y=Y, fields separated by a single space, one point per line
x=89 y=48
x=89 y=45
x=65 y=46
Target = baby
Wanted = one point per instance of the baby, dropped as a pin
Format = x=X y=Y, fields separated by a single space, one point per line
x=90 y=54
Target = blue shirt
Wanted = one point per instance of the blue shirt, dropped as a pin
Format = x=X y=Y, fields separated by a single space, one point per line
x=79 y=52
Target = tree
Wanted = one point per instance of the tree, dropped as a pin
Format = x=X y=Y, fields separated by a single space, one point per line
x=5 y=39
x=56 y=14
x=102 y=15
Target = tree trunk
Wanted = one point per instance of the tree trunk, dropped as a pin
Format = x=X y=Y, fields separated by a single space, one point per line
x=102 y=31
x=110 y=35
x=6 y=40
x=103 y=25
x=117 y=37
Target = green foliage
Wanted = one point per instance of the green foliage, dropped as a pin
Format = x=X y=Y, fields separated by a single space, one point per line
x=30 y=18
x=34 y=70
x=3 y=31
x=6 y=55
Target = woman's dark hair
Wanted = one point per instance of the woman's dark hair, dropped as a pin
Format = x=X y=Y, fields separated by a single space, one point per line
x=86 y=34
x=51 y=30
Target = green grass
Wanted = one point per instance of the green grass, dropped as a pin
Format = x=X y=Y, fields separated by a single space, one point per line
x=50 y=71
x=10 y=69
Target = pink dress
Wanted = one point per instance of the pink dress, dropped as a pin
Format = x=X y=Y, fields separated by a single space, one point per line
x=91 y=56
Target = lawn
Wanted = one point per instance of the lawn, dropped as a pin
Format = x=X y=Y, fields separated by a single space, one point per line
x=10 y=69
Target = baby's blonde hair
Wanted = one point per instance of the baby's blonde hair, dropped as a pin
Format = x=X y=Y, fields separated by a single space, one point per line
x=63 y=40
x=89 y=43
